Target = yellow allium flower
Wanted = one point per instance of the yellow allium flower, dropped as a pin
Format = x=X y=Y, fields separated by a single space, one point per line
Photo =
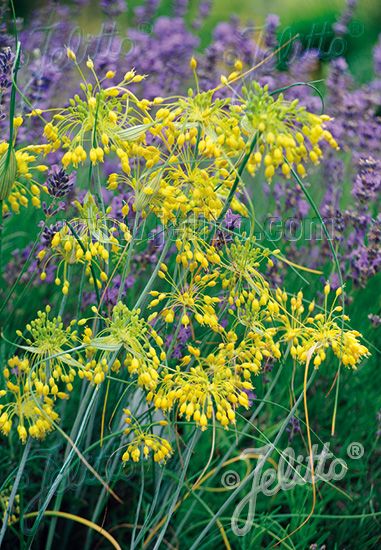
x=29 y=400
x=189 y=299
x=20 y=184
x=127 y=332
x=287 y=134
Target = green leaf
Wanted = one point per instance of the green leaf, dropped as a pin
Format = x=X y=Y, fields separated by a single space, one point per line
x=8 y=171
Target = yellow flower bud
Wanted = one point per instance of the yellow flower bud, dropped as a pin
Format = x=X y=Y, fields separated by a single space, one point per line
x=71 y=55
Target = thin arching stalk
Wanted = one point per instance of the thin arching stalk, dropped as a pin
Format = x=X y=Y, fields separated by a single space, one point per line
x=15 y=487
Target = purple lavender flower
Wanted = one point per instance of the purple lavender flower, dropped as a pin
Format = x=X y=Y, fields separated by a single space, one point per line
x=271 y=27
x=6 y=40
x=180 y=7
x=365 y=256
x=338 y=80
x=293 y=427
x=164 y=54
x=6 y=62
x=59 y=183
x=113 y=8
x=48 y=233
x=146 y=12
x=230 y=223
x=375 y=320
x=182 y=338
x=341 y=27
x=251 y=396
x=367 y=183
x=44 y=74
x=203 y=12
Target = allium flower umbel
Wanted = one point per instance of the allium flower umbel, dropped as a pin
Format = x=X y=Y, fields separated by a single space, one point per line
x=288 y=136
x=144 y=442
x=105 y=119
x=313 y=335
x=29 y=401
x=211 y=389
x=20 y=171
x=190 y=299
x=48 y=343
x=243 y=269
x=86 y=240
x=130 y=334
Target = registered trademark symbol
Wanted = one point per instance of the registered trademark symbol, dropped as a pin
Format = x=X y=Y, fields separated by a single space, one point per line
x=355 y=450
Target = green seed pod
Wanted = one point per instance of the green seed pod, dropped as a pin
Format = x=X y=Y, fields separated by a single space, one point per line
x=8 y=170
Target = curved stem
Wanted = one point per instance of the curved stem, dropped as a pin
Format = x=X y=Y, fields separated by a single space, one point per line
x=62 y=471
x=15 y=486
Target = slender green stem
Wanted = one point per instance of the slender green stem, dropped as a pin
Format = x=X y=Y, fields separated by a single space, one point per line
x=233 y=190
x=177 y=491
x=338 y=267
x=126 y=266
x=147 y=288
x=91 y=263
x=317 y=212
x=65 y=465
x=308 y=84
x=138 y=508
x=251 y=477
x=84 y=402
x=16 y=484
x=103 y=495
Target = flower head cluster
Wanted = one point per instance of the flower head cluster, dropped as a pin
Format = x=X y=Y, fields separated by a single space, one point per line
x=214 y=387
x=86 y=240
x=48 y=343
x=313 y=334
x=104 y=120
x=325 y=330
x=29 y=400
x=144 y=443
x=288 y=135
x=189 y=299
x=207 y=122
x=20 y=170
x=243 y=269
x=193 y=250
x=127 y=331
